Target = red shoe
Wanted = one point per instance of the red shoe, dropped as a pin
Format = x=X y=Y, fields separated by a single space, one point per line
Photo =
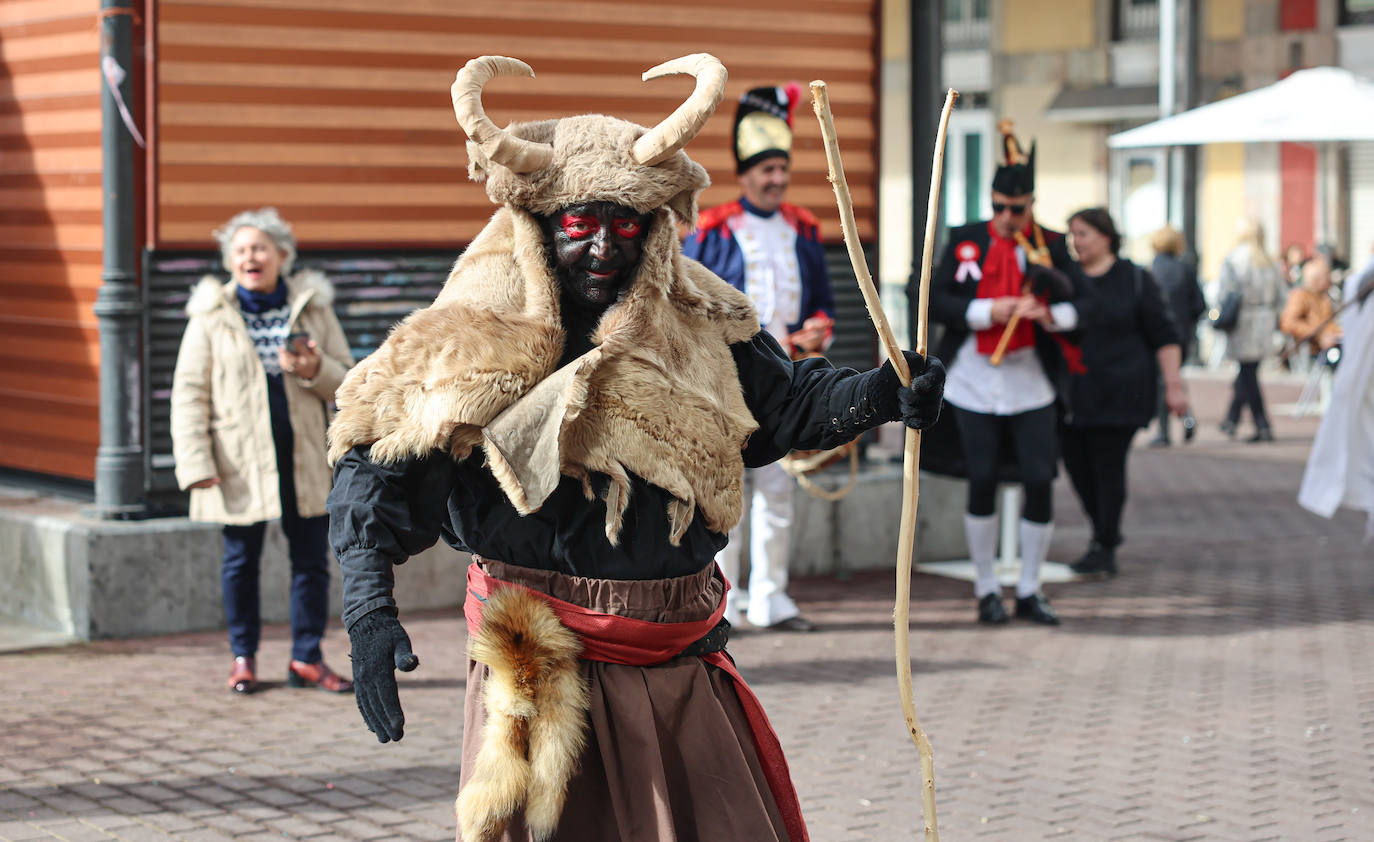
x=243 y=678
x=301 y=674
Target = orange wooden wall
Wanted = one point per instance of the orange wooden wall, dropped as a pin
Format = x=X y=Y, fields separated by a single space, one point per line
x=338 y=111
x=50 y=236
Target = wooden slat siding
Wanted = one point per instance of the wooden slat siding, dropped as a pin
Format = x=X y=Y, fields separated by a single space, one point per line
x=338 y=112
x=50 y=236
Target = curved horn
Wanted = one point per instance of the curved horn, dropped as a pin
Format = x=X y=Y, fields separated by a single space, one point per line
x=500 y=146
x=660 y=142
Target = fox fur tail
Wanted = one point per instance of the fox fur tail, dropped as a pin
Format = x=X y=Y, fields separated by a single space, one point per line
x=536 y=718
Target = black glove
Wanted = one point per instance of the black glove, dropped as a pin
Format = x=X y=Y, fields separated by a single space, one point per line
x=380 y=647
x=920 y=403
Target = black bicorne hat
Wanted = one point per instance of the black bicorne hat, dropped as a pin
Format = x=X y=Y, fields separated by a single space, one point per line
x=1015 y=176
x=763 y=124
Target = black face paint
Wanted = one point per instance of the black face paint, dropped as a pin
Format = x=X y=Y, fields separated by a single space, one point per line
x=595 y=250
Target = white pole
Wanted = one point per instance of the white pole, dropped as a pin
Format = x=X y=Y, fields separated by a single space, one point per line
x=1168 y=104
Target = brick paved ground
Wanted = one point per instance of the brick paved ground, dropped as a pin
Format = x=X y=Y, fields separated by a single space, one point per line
x=1222 y=688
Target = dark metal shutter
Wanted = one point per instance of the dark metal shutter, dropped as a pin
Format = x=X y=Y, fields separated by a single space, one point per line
x=856 y=343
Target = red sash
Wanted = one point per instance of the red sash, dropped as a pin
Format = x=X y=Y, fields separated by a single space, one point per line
x=642 y=643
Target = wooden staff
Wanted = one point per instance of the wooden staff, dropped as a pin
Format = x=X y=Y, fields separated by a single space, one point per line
x=1040 y=255
x=901 y=612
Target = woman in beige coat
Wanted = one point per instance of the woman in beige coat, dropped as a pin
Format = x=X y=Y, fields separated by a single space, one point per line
x=259 y=363
x=1251 y=271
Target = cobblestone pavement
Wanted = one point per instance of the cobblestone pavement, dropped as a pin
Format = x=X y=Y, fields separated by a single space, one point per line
x=1221 y=688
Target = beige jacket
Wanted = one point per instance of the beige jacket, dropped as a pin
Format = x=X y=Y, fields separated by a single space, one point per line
x=221 y=424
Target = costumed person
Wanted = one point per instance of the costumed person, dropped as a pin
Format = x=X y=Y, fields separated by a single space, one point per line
x=1012 y=319
x=1132 y=343
x=770 y=250
x=1340 y=468
x=576 y=410
x=256 y=373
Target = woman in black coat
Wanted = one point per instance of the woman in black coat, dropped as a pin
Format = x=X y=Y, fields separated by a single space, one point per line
x=1133 y=337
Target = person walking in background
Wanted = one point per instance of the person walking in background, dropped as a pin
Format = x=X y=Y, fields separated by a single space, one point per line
x=1250 y=272
x=1177 y=280
x=1307 y=313
x=255 y=375
x=771 y=251
x=992 y=274
x=1131 y=344
x=1293 y=258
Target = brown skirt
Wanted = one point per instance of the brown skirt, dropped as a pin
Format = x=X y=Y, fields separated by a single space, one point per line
x=670 y=756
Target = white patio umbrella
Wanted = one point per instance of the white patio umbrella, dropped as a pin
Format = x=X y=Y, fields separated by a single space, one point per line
x=1314 y=105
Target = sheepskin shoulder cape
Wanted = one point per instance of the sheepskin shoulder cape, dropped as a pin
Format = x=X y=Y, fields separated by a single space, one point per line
x=657 y=396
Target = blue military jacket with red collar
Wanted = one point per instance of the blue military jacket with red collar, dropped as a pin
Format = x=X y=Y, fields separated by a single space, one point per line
x=715 y=247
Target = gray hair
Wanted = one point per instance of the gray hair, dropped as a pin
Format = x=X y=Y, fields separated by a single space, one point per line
x=269 y=222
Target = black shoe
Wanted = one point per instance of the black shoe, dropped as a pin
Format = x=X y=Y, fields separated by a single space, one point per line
x=1229 y=428
x=794 y=624
x=1036 y=609
x=1097 y=561
x=991 y=611
x=1189 y=427
x=1262 y=434
x=1159 y=441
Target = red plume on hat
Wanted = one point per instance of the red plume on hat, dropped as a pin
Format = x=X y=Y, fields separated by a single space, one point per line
x=794 y=92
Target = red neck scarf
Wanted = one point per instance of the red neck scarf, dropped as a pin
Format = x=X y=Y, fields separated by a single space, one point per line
x=1003 y=276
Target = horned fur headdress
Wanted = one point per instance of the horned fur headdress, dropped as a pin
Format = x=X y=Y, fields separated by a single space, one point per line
x=550 y=164
x=655 y=398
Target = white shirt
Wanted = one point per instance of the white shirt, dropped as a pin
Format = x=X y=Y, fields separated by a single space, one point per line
x=1018 y=385
x=772 y=279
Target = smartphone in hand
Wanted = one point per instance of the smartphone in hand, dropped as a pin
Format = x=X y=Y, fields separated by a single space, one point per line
x=297 y=342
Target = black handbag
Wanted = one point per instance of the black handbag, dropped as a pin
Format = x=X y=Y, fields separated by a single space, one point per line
x=1224 y=317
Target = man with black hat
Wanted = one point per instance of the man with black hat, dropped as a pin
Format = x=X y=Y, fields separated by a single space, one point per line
x=1011 y=314
x=771 y=251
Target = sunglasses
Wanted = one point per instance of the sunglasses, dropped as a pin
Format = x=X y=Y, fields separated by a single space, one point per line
x=1016 y=210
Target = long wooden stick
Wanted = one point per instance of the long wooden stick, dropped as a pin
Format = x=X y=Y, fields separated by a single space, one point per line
x=901 y=612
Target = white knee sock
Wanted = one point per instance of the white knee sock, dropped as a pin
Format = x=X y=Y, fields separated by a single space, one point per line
x=1035 y=544
x=981 y=532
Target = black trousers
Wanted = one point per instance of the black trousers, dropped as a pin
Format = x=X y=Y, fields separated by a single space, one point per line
x=1095 y=458
x=1032 y=435
x=1246 y=392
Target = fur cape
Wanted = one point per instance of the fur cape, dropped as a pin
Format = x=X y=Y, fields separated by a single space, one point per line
x=536 y=718
x=657 y=396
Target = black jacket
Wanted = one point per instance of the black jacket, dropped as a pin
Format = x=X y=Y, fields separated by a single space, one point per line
x=382 y=515
x=941 y=450
x=1177 y=279
x=950 y=297
x=1132 y=323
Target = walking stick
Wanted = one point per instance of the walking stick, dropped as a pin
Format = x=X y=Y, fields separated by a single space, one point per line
x=1040 y=255
x=911 y=458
